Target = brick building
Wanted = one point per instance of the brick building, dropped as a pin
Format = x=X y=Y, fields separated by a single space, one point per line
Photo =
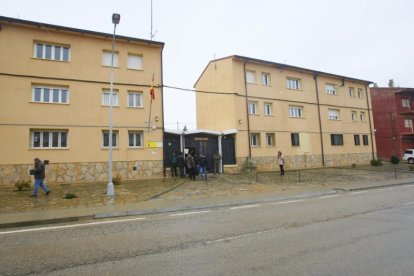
x=393 y=111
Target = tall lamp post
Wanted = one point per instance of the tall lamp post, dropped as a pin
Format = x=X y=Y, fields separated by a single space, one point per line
x=110 y=188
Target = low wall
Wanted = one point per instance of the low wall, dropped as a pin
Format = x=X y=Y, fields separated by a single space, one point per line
x=83 y=172
x=303 y=161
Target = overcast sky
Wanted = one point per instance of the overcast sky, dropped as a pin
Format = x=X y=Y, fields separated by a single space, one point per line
x=365 y=39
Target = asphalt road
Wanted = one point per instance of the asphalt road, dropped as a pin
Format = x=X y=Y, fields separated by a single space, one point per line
x=357 y=233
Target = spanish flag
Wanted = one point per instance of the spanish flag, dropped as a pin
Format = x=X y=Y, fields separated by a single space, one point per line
x=152 y=92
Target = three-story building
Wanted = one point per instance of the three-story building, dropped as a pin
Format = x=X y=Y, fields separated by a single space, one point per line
x=314 y=118
x=54 y=97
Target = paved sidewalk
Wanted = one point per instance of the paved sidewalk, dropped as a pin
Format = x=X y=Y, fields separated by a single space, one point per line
x=153 y=196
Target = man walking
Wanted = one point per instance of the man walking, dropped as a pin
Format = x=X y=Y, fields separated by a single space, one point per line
x=39 y=175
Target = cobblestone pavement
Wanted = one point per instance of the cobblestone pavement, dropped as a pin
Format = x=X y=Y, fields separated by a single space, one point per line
x=93 y=194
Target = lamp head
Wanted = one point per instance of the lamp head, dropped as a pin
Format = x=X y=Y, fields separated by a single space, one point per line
x=116 y=17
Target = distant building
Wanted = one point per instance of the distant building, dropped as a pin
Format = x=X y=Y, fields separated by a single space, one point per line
x=314 y=118
x=393 y=110
x=54 y=84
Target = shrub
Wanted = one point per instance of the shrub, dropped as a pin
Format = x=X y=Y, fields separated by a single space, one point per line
x=116 y=180
x=376 y=162
x=353 y=165
x=22 y=185
x=395 y=160
x=69 y=196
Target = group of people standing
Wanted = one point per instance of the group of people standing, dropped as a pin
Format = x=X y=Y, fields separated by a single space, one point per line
x=193 y=165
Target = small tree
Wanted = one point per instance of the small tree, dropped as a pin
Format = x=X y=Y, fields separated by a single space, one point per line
x=395 y=160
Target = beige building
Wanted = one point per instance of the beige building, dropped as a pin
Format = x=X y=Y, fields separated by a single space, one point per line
x=54 y=97
x=315 y=118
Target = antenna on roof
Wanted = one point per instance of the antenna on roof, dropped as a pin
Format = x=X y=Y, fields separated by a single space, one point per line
x=152 y=35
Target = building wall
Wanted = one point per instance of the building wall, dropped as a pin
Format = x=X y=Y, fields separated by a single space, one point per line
x=84 y=117
x=392 y=135
x=315 y=107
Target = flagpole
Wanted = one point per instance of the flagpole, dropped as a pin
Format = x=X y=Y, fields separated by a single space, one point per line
x=152 y=96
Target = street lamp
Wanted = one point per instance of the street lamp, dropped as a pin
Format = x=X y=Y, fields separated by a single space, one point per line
x=110 y=188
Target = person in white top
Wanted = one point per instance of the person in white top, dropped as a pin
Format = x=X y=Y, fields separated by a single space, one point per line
x=281 y=163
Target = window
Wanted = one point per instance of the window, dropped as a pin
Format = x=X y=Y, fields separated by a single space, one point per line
x=333 y=114
x=293 y=83
x=356 y=140
x=362 y=116
x=50 y=94
x=268 y=109
x=360 y=93
x=255 y=139
x=265 y=79
x=105 y=138
x=337 y=139
x=294 y=138
x=408 y=123
x=107 y=57
x=253 y=108
x=354 y=115
x=351 y=92
x=365 y=140
x=135 y=139
x=330 y=89
x=49 y=139
x=105 y=97
x=270 y=139
x=405 y=102
x=134 y=99
x=51 y=52
x=250 y=77
x=134 y=62
x=295 y=112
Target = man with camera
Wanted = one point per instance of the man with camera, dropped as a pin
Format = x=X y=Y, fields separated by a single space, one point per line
x=39 y=175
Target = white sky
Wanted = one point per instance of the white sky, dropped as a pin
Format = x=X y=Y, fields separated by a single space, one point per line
x=365 y=39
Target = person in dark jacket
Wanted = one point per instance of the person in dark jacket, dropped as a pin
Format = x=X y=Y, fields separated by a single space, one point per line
x=190 y=164
x=181 y=164
x=38 y=172
x=202 y=167
x=174 y=165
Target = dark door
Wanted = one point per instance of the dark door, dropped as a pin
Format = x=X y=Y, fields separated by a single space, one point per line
x=227 y=144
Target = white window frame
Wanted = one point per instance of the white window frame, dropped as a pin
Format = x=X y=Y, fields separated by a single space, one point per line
x=250 y=76
x=39 y=94
x=295 y=111
x=266 y=79
x=408 y=123
x=115 y=142
x=135 y=134
x=135 y=64
x=293 y=83
x=351 y=92
x=137 y=99
x=330 y=89
x=255 y=139
x=405 y=103
x=268 y=109
x=61 y=135
x=107 y=56
x=333 y=114
x=270 y=139
x=105 y=97
x=354 y=115
x=362 y=116
x=360 y=93
x=252 y=108
x=42 y=54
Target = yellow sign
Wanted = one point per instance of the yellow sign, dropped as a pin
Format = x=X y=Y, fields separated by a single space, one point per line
x=152 y=144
